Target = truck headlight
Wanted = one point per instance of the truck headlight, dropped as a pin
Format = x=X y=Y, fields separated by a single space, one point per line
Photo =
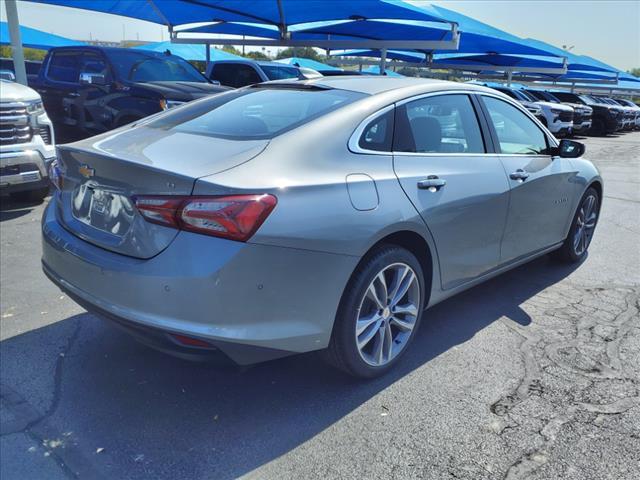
x=35 y=107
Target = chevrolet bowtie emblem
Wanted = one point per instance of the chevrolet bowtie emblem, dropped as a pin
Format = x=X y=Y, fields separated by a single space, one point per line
x=86 y=171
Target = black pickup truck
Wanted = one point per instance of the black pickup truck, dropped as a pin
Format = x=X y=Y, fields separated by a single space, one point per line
x=606 y=118
x=89 y=90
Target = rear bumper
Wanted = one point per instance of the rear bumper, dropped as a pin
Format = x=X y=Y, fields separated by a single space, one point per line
x=252 y=302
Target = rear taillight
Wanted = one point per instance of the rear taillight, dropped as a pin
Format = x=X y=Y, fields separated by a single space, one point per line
x=236 y=217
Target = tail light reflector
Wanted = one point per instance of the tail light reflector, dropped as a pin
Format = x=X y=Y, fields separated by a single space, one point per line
x=236 y=217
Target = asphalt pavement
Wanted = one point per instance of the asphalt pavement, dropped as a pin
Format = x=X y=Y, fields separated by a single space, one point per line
x=534 y=374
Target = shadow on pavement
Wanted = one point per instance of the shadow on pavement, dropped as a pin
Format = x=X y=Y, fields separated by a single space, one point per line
x=159 y=417
x=10 y=208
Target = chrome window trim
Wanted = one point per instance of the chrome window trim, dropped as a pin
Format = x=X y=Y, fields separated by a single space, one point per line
x=354 y=140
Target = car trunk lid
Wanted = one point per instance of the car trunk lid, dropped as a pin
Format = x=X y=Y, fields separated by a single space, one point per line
x=102 y=176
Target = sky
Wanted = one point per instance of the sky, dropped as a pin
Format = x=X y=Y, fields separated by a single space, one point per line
x=608 y=30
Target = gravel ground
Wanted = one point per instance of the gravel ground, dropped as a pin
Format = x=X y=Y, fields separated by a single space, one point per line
x=535 y=374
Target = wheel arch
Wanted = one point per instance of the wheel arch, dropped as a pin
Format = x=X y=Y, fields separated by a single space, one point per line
x=418 y=246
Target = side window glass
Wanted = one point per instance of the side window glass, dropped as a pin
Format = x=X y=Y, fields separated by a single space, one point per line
x=246 y=75
x=517 y=133
x=439 y=124
x=378 y=134
x=65 y=67
x=94 y=64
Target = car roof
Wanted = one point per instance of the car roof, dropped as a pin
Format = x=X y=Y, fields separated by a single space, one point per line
x=374 y=84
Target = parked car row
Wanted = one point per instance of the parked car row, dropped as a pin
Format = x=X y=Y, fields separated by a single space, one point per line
x=567 y=113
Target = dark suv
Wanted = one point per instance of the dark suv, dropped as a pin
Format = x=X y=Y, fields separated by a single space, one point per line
x=89 y=90
x=240 y=73
x=606 y=118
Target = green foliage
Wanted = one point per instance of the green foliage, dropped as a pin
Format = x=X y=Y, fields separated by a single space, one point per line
x=231 y=49
x=635 y=72
x=29 y=53
x=304 y=52
x=257 y=56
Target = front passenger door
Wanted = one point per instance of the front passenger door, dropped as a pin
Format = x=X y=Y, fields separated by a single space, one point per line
x=541 y=185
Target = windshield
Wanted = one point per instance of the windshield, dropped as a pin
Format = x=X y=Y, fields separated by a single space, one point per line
x=279 y=73
x=512 y=93
x=142 y=67
x=254 y=113
x=586 y=99
x=528 y=96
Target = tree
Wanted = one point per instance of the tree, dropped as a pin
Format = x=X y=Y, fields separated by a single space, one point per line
x=303 y=52
x=29 y=53
x=231 y=49
x=635 y=72
x=257 y=55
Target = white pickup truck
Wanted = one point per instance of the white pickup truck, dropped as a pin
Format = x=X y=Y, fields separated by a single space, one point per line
x=27 y=144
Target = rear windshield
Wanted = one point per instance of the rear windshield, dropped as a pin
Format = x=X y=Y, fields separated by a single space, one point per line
x=254 y=113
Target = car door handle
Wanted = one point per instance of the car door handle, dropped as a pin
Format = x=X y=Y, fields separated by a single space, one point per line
x=432 y=182
x=519 y=175
x=74 y=94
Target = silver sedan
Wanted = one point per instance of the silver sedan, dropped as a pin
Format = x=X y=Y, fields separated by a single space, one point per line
x=296 y=216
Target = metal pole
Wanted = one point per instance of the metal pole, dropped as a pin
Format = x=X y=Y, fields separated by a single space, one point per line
x=509 y=77
x=16 y=42
x=208 y=54
x=383 y=60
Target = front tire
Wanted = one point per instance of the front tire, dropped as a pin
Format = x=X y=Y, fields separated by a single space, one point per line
x=574 y=249
x=379 y=313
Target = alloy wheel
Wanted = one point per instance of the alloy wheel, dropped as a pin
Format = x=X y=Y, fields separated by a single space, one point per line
x=387 y=315
x=585 y=224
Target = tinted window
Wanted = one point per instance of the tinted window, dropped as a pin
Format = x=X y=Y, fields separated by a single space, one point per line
x=278 y=73
x=254 y=113
x=378 y=134
x=517 y=133
x=142 y=67
x=93 y=63
x=235 y=74
x=568 y=97
x=441 y=124
x=65 y=67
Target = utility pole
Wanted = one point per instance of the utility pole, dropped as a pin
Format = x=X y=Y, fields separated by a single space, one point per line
x=17 y=53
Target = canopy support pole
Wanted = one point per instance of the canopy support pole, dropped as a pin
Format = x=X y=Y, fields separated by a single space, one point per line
x=509 y=77
x=208 y=55
x=17 y=53
x=383 y=61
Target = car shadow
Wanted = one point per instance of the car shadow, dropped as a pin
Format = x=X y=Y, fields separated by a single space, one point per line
x=160 y=417
x=10 y=208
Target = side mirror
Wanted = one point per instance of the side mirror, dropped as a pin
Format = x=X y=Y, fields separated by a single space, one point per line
x=92 y=79
x=569 y=149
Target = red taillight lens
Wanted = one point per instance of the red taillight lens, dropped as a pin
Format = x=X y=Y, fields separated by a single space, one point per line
x=236 y=217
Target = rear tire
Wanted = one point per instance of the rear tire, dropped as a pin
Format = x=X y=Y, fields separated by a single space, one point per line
x=31 y=195
x=382 y=306
x=575 y=247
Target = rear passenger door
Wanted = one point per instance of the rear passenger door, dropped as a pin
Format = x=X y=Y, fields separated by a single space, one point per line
x=62 y=81
x=461 y=191
x=541 y=186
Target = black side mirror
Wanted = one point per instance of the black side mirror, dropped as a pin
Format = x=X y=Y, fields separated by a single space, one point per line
x=569 y=149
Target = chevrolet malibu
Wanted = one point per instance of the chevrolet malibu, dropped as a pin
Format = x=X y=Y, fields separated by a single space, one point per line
x=322 y=214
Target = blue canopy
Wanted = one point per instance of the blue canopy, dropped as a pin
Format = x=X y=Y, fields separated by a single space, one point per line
x=375 y=70
x=478 y=37
x=189 y=51
x=33 y=38
x=307 y=63
x=180 y=12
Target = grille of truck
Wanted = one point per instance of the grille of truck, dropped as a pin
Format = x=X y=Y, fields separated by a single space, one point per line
x=566 y=116
x=45 y=134
x=14 y=124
